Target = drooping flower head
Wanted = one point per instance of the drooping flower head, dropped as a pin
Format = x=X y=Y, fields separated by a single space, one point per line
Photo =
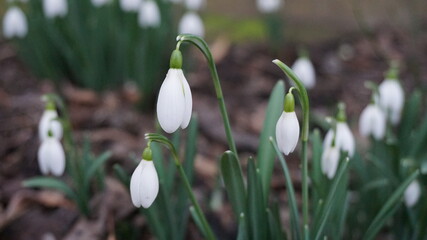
x=149 y=14
x=49 y=122
x=287 y=127
x=330 y=160
x=51 y=156
x=144 y=183
x=174 y=104
x=412 y=194
x=55 y=8
x=304 y=69
x=372 y=121
x=15 y=23
x=392 y=96
x=268 y=6
x=191 y=23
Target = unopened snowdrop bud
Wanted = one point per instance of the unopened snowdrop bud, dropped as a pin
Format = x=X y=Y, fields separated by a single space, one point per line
x=304 y=69
x=412 y=194
x=268 y=6
x=344 y=139
x=144 y=183
x=391 y=96
x=330 y=159
x=55 y=8
x=372 y=122
x=194 y=5
x=130 y=5
x=51 y=156
x=48 y=122
x=100 y=3
x=191 y=23
x=149 y=14
x=174 y=104
x=287 y=127
x=15 y=23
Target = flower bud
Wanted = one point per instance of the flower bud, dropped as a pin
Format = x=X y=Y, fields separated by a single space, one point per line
x=330 y=159
x=55 y=8
x=412 y=194
x=51 y=157
x=391 y=99
x=15 y=23
x=191 y=23
x=149 y=14
x=372 y=122
x=287 y=127
x=48 y=122
x=304 y=69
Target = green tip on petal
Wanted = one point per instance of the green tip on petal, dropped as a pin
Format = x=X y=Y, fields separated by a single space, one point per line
x=147 y=154
x=393 y=71
x=176 y=59
x=50 y=105
x=341 y=116
x=303 y=52
x=289 y=105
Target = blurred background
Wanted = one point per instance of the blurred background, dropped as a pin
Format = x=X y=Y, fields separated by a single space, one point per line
x=107 y=60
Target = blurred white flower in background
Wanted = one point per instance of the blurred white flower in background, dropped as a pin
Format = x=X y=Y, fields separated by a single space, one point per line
x=100 y=3
x=130 y=5
x=330 y=160
x=191 y=23
x=48 y=122
x=55 y=8
x=304 y=69
x=372 y=122
x=344 y=139
x=268 y=6
x=51 y=156
x=194 y=5
x=15 y=23
x=391 y=99
x=149 y=14
x=412 y=194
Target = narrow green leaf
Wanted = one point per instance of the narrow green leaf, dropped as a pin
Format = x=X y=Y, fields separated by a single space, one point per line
x=291 y=193
x=243 y=230
x=233 y=181
x=95 y=165
x=266 y=153
x=197 y=220
x=410 y=117
x=48 y=182
x=389 y=208
x=276 y=231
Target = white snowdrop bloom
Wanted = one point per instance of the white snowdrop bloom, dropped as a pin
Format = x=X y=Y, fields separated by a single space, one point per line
x=391 y=99
x=304 y=69
x=130 y=5
x=412 y=194
x=100 y=3
x=344 y=139
x=48 y=122
x=15 y=23
x=268 y=6
x=55 y=8
x=372 y=122
x=51 y=157
x=149 y=14
x=191 y=23
x=287 y=132
x=144 y=184
x=174 y=104
x=330 y=160
x=194 y=5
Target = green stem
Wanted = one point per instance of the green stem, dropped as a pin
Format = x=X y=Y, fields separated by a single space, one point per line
x=203 y=47
x=305 y=130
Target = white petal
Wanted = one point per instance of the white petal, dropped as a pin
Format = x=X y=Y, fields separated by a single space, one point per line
x=47 y=122
x=191 y=23
x=144 y=184
x=171 y=102
x=391 y=99
x=149 y=14
x=330 y=159
x=304 y=69
x=372 y=122
x=268 y=6
x=328 y=139
x=15 y=23
x=194 y=5
x=412 y=194
x=287 y=132
x=345 y=139
x=51 y=157
x=130 y=5
x=188 y=102
x=55 y=8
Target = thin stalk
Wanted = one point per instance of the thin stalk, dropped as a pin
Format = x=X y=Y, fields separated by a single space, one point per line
x=203 y=47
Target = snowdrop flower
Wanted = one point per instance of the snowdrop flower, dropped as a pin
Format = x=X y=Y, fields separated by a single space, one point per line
x=15 y=23
x=130 y=5
x=391 y=96
x=304 y=69
x=194 y=5
x=99 y=3
x=149 y=14
x=330 y=159
x=144 y=183
x=287 y=127
x=268 y=6
x=51 y=156
x=412 y=194
x=372 y=122
x=55 y=8
x=191 y=23
x=48 y=122
x=174 y=104
x=344 y=139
